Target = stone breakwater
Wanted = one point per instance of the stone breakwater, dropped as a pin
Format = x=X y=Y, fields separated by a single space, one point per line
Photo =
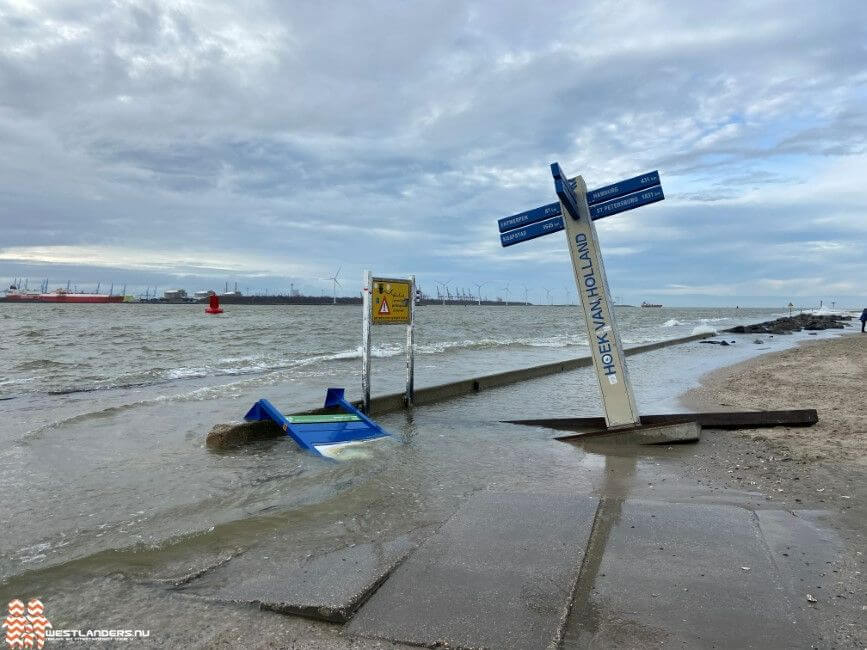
x=789 y=324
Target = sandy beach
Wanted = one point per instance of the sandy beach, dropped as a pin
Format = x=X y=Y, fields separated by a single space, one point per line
x=817 y=469
x=828 y=375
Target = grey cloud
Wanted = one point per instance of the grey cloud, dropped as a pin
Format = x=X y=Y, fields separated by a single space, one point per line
x=258 y=129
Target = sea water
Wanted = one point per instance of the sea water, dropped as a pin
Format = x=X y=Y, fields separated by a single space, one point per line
x=104 y=410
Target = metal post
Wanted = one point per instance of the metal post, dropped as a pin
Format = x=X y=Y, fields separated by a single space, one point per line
x=604 y=339
x=365 y=343
x=410 y=348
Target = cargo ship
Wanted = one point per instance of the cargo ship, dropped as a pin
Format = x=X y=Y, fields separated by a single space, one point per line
x=58 y=295
x=650 y=304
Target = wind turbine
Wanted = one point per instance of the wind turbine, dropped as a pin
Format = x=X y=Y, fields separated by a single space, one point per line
x=334 y=284
x=445 y=286
x=479 y=287
x=548 y=291
x=526 y=298
x=506 y=289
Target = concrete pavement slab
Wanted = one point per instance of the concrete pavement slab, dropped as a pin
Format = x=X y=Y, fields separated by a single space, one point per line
x=498 y=574
x=682 y=575
x=329 y=587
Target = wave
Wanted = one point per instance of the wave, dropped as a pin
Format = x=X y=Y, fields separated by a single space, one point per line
x=824 y=311
x=157 y=376
x=704 y=329
x=672 y=322
x=46 y=364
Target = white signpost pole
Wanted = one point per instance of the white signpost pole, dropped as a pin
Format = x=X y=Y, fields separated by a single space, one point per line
x=365 y=342
x=410 y=348
x=603 y=337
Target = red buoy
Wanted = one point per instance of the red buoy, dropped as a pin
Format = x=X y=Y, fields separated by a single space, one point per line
x=214 y=307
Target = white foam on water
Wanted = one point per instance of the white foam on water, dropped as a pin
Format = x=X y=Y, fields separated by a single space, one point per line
x=672 y=322
x=824 y=311
x=704 y=329
x=352 y=450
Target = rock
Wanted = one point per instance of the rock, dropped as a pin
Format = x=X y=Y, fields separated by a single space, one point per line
x=724 y=343
x=789 y=324
x=758 y=341
x=226 y=436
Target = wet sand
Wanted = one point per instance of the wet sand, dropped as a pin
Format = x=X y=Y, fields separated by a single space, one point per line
x=829 y=375
x=801 y=469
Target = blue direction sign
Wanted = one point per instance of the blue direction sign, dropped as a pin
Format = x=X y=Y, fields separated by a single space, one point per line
x=623 y=188
x=528 y=217
x=565 y=191
x=532 y=231
x=594 y=197
x=627 y=202
x=603 y=202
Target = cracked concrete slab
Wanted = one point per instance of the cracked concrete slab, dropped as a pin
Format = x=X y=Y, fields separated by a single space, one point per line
x=328 y=587
x=498 y=574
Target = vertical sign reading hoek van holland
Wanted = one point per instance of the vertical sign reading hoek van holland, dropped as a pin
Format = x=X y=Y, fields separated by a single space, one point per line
x=575 y=213
x=592 y=284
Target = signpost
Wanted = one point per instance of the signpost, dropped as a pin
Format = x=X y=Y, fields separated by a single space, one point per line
x=387 y=301
x=575 y=213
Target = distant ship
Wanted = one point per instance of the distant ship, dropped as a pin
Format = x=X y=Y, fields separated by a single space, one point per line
x=650 y=304
x=59 y=295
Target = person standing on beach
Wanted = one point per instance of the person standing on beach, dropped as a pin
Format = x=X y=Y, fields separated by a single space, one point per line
x=863 y=319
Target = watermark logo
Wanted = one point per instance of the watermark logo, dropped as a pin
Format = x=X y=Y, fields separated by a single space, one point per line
x=29 y=628
x=26 y=631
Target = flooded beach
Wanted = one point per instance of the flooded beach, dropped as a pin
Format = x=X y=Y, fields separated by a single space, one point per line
x=105 y=411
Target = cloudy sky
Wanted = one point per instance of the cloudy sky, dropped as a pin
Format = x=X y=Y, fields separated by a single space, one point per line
x=197 y=143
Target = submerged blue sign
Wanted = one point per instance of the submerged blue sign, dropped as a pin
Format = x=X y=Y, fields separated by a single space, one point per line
x=532 y=231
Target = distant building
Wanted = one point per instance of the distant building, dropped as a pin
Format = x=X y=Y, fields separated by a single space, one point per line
x=204 y=295
x=175 y=294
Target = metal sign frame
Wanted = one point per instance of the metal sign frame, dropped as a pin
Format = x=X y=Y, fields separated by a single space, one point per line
x=367 y=322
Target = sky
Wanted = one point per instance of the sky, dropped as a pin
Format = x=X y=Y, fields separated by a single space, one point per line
x=269 y=144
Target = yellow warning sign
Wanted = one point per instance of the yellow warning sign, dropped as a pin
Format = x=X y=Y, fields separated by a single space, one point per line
x=390 y=302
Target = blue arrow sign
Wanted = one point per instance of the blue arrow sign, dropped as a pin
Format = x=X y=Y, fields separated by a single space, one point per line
x=564 y=190
x=532 y=231
x=627 y=202
x=623 y=188
x=528 y=217
x=607 y=193
x=606 y=201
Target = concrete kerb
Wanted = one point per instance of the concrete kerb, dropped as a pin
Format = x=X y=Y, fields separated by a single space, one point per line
x=222 y=435
x=441 y=392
